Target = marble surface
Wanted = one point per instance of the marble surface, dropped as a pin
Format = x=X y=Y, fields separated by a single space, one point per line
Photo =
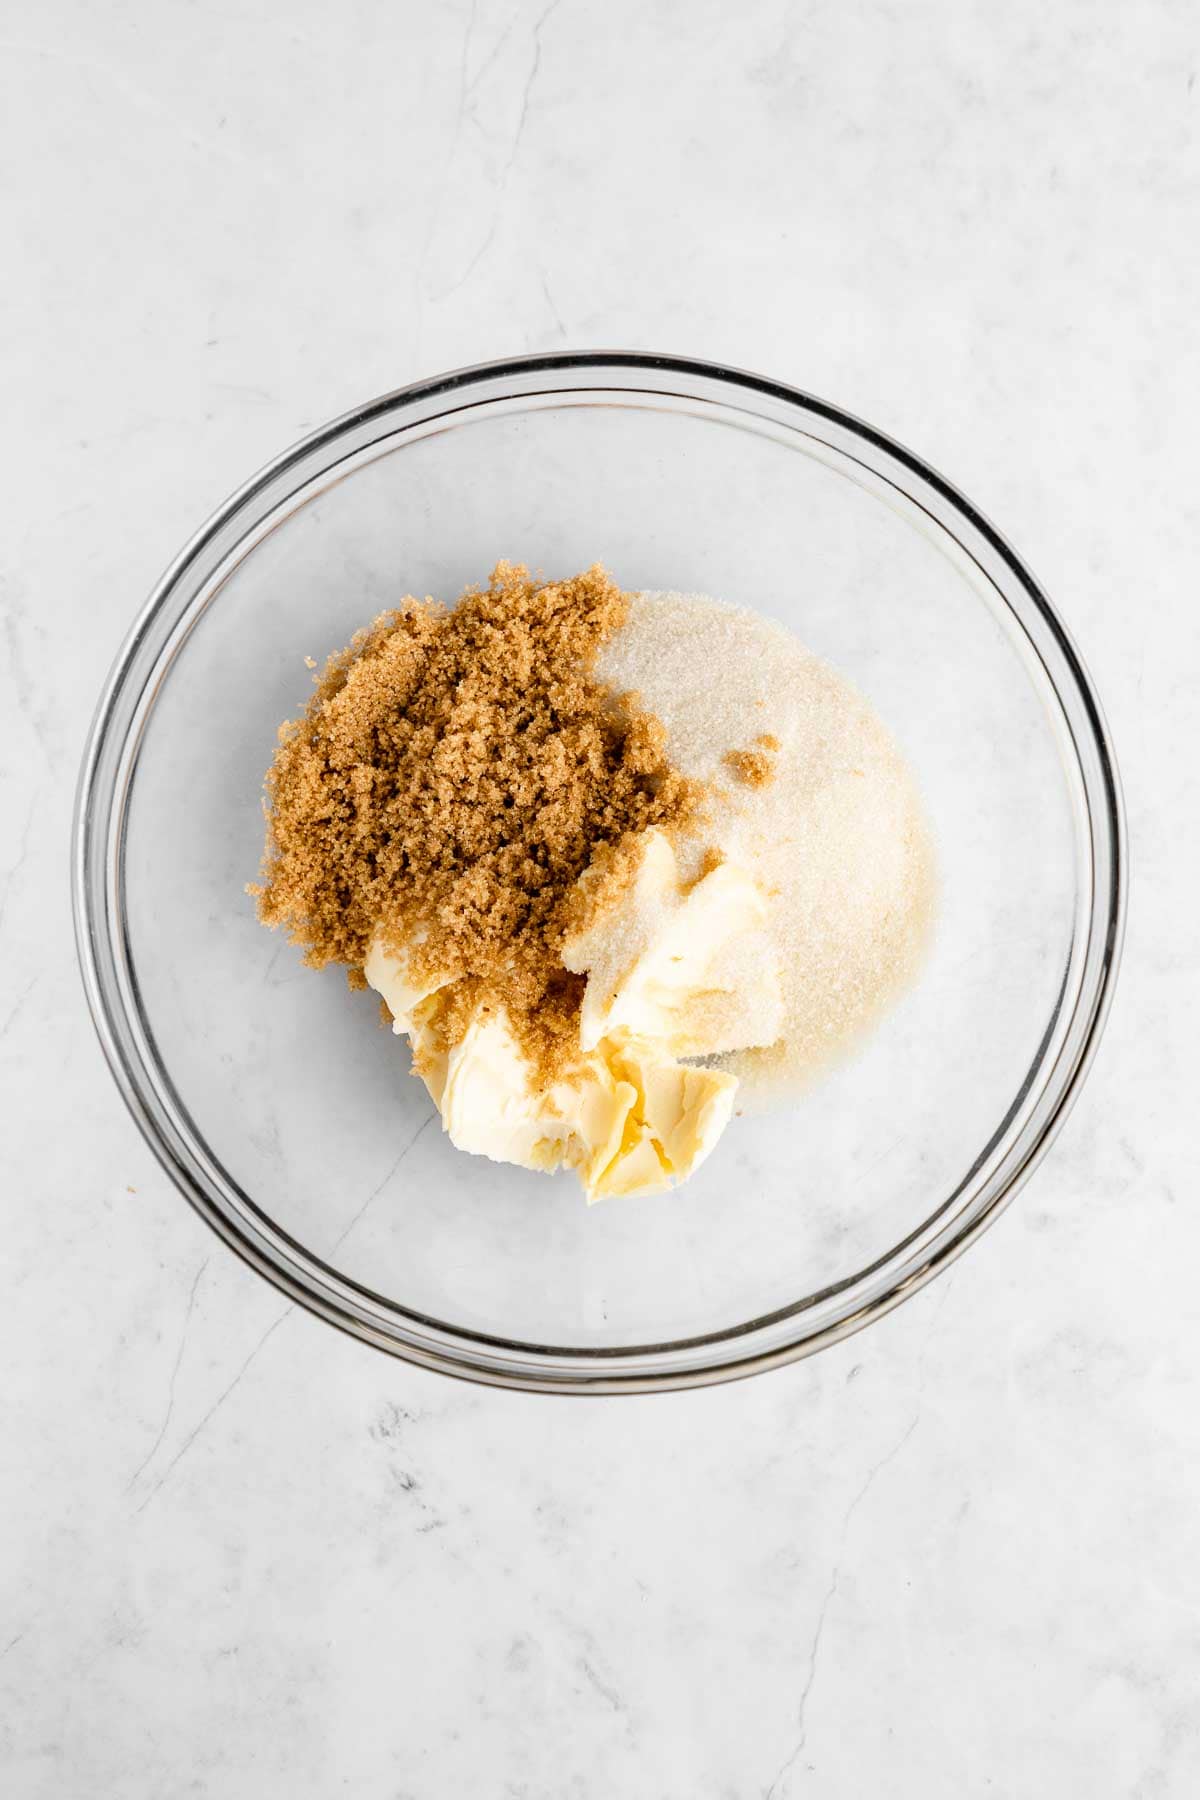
x=242 y=1555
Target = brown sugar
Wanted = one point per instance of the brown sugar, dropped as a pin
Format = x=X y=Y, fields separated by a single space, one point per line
x=753 y=768
x=454 y=774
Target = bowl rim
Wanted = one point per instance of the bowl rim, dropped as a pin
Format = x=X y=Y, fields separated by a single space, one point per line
x=97 y=867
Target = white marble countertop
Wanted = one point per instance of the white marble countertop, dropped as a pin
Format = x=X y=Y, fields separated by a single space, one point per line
x=955 y=1556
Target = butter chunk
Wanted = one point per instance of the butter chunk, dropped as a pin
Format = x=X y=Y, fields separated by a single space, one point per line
x=627 y=1117
x=686 y=1110
x=492 y=1105
x=678 y=1115
x=387 y=971
x=690 y=969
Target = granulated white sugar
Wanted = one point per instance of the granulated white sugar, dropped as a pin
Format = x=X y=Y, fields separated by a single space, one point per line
x=835 y=834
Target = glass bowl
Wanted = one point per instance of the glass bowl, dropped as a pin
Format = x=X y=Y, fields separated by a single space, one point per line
x=289 y=1119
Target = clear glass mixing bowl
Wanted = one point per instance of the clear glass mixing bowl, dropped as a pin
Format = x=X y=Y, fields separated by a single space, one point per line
x=290 y=1121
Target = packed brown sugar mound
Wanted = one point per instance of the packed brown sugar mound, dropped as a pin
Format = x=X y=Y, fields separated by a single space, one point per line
x=453 y=775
